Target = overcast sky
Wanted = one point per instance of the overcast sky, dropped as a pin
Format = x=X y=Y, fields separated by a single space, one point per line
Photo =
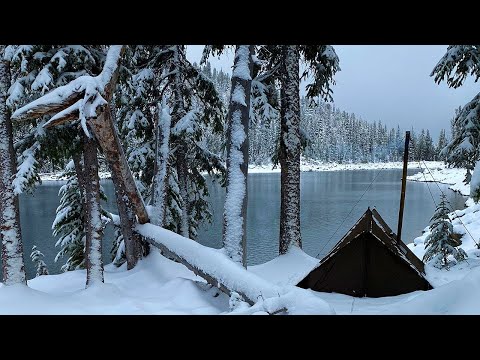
x=390 y=83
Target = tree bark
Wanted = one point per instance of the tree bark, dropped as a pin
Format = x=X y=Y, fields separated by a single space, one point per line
x=93 y=219
x=129 y=200
x=236 y=199
x=182 y=174
x=104 y=130
x=162 y=150
x=12 y=246
x=289 y=156
x=78 y=164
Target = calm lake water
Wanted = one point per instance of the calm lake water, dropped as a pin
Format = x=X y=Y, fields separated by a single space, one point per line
x=327 y=198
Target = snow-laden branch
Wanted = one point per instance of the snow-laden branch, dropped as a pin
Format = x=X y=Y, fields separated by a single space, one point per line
x=83 y=98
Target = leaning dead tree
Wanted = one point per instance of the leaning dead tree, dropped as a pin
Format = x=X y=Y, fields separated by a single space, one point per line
x=87 y=99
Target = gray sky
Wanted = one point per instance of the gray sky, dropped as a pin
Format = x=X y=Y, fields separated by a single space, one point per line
x=390 y=83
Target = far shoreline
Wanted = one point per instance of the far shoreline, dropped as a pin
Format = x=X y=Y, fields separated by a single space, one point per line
x=305 y=166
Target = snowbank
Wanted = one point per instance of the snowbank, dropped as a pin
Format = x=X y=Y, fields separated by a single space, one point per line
x=286 y=269
x=313 y=165
x=440 y=173
x=305 y=165
x=156 y=286
x=58 y=176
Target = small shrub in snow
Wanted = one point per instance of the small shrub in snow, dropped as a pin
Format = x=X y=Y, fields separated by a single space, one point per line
x=36 y=257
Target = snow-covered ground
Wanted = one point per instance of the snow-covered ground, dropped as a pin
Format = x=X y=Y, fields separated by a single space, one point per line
x=313 y=165
x=161 y=286
x=57 y=176
x=438 y=171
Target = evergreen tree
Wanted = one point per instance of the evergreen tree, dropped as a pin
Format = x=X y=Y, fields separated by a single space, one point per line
x=156 y=74
x=421 y=149
x=442 y=142
x=37 y=69
x=429 y=148
x=36 y=257
x=281 y=64
x=69 y=224
x=458 y=62
x=440 y=243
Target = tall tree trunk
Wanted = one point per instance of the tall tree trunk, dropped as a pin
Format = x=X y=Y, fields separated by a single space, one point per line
x=93 y=218
x=79 y=170
x=12 y=247
x=181 y=152
x=182 y=174
x=235 y=211
x=289 y=156
x=162 y=150
x=129 y=200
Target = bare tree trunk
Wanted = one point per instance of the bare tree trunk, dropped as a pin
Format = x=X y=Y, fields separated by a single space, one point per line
x=12 y=246
x=290 y=150
x=162 y=151
x=129 y=200
x=182 y=174
x=235 y=211
x=93 y=218
x=182 y=171
x=79 y=170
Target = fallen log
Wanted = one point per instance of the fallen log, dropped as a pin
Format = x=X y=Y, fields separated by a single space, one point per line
x=230 y=277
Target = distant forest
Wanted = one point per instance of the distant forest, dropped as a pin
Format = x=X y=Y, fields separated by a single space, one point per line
x=329 y=134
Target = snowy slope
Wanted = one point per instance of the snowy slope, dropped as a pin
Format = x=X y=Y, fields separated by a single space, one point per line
x=156 y=286
x=314 y=165
x=286 y=269
x=437 y=171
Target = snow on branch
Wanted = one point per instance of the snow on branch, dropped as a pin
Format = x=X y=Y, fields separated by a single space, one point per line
x=83 y=98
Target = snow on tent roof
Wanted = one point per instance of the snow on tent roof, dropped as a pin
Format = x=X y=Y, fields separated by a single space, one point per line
x=368 y=261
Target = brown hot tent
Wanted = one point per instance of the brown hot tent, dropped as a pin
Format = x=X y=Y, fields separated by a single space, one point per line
x=368 y=261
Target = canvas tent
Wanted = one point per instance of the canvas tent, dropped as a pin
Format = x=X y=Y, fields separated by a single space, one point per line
x=368 y=261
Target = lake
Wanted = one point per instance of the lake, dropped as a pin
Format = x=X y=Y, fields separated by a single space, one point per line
x=327 y=199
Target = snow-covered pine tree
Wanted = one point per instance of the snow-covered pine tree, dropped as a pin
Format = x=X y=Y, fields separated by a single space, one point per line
x=69 y=221
x=88 y=98
x=463 y=149
x=440 y=243
x=37 y=69
x=164 y=72
x=36 y=257
x=40 y=68
x=429 y=147
x=69 y=224
x=475 y=183
x=283 y=62
x=458 y=62
x=420 y=146
x=10 y=231
x=442 y=142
